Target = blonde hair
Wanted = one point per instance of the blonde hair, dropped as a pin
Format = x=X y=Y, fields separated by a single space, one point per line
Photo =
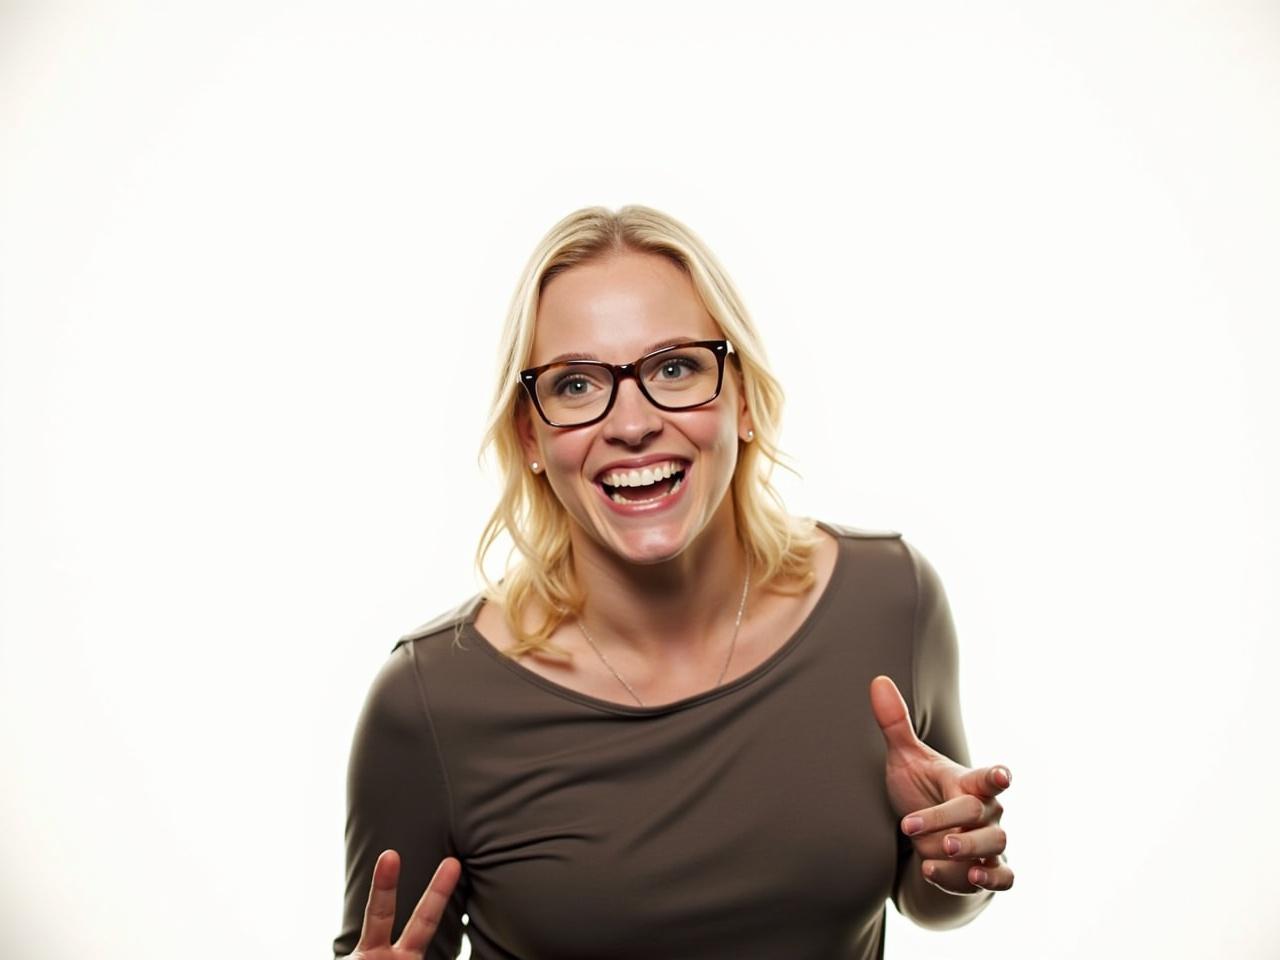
x=781 y=546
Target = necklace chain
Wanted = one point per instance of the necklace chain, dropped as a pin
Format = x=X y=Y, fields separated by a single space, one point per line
x=742 y=605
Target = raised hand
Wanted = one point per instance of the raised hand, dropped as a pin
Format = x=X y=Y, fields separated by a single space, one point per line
x=949 y=811
x=379 y=914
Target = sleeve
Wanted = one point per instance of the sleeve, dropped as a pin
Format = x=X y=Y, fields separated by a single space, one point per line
x=398 y=798
x=935 y=666
x=935 y=680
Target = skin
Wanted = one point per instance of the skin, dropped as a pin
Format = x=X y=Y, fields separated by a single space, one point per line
x=658 y=586
x=379 y=914
x=958 y=840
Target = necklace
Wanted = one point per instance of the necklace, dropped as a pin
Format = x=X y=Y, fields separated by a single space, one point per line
x=742 y=605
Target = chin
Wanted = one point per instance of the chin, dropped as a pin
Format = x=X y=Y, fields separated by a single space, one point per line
x=651 y=545
x=642 y=543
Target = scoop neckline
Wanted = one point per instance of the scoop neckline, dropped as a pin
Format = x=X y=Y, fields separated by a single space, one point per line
x=706 y=696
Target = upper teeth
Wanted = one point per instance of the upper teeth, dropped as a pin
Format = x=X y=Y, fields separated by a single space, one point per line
x=642 y=478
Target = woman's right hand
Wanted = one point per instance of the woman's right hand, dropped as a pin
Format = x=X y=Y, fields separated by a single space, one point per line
x=379 y=914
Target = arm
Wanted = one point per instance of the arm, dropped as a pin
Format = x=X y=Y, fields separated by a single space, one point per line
x=397 y=798
x=936 y=692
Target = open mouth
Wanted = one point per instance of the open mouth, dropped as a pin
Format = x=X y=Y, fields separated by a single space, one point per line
x=646 y=488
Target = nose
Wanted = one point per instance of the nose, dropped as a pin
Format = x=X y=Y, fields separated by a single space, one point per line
x=633 y=418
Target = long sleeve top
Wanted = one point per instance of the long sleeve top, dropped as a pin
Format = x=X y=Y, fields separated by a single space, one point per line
x=751 y=820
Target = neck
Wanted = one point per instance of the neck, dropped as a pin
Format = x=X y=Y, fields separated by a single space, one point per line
x=680 y=609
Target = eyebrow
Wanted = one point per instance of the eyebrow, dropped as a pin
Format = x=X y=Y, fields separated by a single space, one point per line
x=669 y=342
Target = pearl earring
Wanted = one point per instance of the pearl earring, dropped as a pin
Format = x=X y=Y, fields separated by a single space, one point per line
x=751 y=435
x=534 y=466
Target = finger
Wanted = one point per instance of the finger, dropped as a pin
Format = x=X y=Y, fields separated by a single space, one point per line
x=999 y=877
x=981 y=842
x=952 y=877
x=380 y=911
x=963 y=811
x=426 y=916
x=986 y=781
x=891 y=713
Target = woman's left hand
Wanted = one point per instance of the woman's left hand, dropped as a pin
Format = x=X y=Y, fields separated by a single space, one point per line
x=958 y=838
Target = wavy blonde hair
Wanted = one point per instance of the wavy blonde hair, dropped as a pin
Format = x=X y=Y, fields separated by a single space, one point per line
x=781 y=546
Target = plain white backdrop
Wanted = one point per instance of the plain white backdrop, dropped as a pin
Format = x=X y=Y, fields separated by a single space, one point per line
x=1014 y=262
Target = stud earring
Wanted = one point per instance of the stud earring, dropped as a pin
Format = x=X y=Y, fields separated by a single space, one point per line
x=751 y=435
x=534 y=466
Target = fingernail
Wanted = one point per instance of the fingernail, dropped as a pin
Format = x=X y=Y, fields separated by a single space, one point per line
x=980 y=877
x=913 y=825
x=951 y=845
x=1004 y=774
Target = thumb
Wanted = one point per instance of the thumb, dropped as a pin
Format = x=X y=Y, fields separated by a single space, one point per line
x=891 y=713
x=985 y=781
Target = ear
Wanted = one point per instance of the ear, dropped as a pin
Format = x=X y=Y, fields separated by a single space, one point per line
x=526 y=431
x=744 y=415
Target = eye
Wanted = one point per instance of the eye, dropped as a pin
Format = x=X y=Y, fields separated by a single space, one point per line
x=673 y=368
x=571 y=385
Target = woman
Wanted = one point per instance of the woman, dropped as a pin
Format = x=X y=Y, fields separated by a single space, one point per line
x=675 y=728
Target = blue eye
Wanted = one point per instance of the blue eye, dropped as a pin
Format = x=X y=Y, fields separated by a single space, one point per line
x=673 y=367
x=574 y=384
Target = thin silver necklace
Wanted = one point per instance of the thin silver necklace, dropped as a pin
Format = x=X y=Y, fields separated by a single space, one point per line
x=742 y=605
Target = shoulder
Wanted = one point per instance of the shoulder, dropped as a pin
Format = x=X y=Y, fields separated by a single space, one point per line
x=846 y=532
x=893 y=544
x=881 y=551
x=447 y=624
x=889 y=563
x=928 y=585
x=420 y=664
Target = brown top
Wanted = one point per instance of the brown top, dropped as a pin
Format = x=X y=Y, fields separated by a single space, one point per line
x=750 y=820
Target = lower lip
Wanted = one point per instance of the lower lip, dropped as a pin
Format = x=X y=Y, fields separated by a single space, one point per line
x=652 y=506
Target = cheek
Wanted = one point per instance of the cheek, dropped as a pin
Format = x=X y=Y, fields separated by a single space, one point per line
x=565 y=456
x=716 y=438
x=719 y=431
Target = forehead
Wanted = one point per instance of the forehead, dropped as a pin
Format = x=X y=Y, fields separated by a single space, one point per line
x=618 y=308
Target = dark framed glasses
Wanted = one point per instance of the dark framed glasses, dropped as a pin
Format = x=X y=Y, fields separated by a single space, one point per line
x=574 y=393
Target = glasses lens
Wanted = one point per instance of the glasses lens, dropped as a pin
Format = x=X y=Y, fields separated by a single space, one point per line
x=682 y=377
x=574 y=392
x=577 y=392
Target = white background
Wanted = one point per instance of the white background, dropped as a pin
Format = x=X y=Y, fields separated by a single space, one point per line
x=1014 y=262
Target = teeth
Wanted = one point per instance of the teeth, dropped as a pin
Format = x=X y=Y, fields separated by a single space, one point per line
x=619 y=498
x=642 y=478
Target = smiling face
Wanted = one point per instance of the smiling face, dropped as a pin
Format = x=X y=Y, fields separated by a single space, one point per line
x=616 y=309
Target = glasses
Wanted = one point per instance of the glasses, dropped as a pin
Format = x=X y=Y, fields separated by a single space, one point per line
x=575 y=393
